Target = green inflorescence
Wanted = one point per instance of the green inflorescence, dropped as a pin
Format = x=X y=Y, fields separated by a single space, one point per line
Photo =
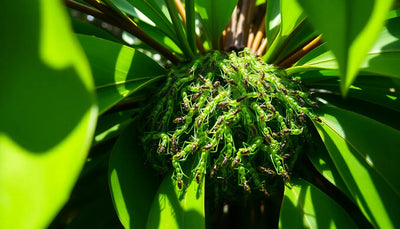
x=241 y=119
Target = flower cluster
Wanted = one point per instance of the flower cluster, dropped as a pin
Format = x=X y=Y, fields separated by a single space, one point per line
x=240 y=120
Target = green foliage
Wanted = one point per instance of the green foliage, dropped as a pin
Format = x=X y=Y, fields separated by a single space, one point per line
x=342 y=174
x=48 y=112
x=305 y=206
x=119 y=73
x=215 y=15
x=371 y=180
x=350 y=28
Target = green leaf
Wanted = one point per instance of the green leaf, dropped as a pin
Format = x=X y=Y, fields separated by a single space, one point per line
x=48 y=112
x=174 y=208
x=160 y=37
x=179 y=29
x=305 y=206
x=349 y=28
x=110 y=125
x=215 y=15
x=363 y=151
x=148 y=11
x=191 y=24
x=384 y=55
x=381 y=59
x=302 y=36
x=378 y=90
x=321 y=160
x=259 y=2
x=118 y=70
x=283 y=17
x=133 y=185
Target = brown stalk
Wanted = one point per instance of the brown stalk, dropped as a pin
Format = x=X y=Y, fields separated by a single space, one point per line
x=131 y=27
x=182 y=12
x=231 y=31
x=249 y=17
x=250 y=39
x=240 y=32
x=244 y=21
x=263 y=46
x=222 y=40
x=301 y=52
x=259 y=36
x=89 y=10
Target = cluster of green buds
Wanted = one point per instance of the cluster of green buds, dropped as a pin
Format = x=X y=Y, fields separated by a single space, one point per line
x=240 y=119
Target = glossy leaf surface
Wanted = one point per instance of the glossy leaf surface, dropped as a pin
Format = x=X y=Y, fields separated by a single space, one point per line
x=133 y=185
x=376 y=90
x=283 y=17
x=175 y=208
x=349 y=28
x=118 y=70
x=381 y=59
x=48 y=112
x=305 y=206
x=363 y=151
x=148 y=11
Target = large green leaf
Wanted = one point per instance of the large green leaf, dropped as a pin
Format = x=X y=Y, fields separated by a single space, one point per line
x=381 y=59
x=377 y=90
x=215 y=15
x=364 y=152
x=118 y=70
x=174 y=208
x=133 y=185
x=305 y=206
x=148 y=11
x=47 y=114
x=349 y=28
x=283 y=17
x=322 y=162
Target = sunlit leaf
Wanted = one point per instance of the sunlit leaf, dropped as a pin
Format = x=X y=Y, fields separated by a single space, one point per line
x=322 y=162
x=118 y=70
x=48 y=112
x=363 y=151
x=303 y=35
x=133 y=185
x=381 y=59
x=349 y=28
x=283 y=17
x=377 y=90
x=305 y=206
x=174 y=208
x=149 y=12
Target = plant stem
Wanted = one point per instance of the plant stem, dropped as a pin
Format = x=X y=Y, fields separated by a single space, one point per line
x=231 y=31
x=242 y=26
x=89 y=10
x=184 y=45
x=182 y=12
x=261 y=48
x=259 y=36
x=288 y=62
x=190 y=24
x=112 y=17
x=250 y=39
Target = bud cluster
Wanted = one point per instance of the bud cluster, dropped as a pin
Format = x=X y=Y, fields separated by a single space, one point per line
x=240 y=119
